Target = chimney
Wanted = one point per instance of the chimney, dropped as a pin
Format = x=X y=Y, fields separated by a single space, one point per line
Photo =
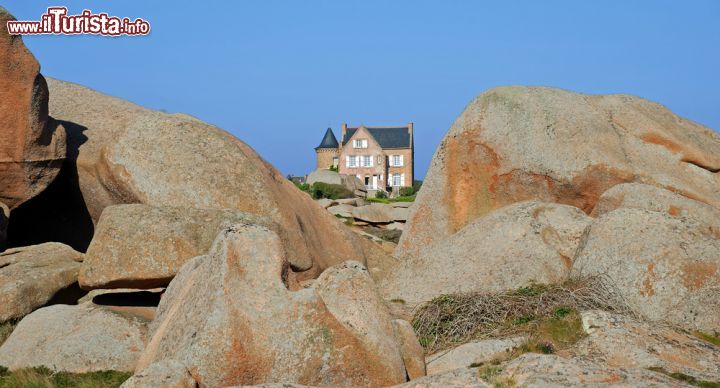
x=342 y=135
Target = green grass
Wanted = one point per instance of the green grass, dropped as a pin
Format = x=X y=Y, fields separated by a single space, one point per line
x=712 y=338
x=687 y=379
x=391 y=200
x=45 y=378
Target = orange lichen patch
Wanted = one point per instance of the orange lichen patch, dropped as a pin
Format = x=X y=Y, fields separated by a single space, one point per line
x=696 y=275
x=647 y=287
x=586 y=187
x=471 y=166
x=673 y=210
x=619 y=360
x=654 y=138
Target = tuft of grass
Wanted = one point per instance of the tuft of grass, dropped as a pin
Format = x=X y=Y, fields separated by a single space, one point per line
x=492 y=374
x=687 y=379
x=540 y=312
x=42 y=377
x=397 y=300
x=712 y=338
x=6 y=328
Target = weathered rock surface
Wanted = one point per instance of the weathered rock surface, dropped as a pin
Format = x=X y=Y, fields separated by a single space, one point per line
x=519 y=143
x=666 y=267
x=128 y=154
x=163 y=374
x=31 y=276
x=539 y=370
x=646 y=197
x=413 y=353
x=621 y=342
x=341 y=210
x=325 y=202
x=142 y=246
x=400 y=213
x=375 y=213
x=76 y=339
x=229 y=319
x=470 y=353
x=505 y=249
x=456 y=378
x=32 y=145
x=351 y=182
x=139 y=302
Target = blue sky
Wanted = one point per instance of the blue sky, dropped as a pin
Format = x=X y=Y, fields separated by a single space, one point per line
x=277 y=73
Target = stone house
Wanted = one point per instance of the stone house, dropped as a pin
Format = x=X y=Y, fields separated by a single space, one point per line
x=382 y=157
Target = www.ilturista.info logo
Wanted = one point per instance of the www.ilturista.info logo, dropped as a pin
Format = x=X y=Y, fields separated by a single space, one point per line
x=57 y=22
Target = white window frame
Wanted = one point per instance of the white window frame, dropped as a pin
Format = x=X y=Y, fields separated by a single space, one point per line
x=396 y=161
x=351 y=161
x=366 y=161
x=395 y=180
x=360 y=143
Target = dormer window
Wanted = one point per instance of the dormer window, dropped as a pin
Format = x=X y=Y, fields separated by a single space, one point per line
x=360 y=143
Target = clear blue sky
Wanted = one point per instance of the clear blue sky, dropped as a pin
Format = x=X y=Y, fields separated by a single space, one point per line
x=277 y=73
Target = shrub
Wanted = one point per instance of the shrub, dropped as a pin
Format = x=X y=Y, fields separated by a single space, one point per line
x=417 y=185
x=333 y=168
x=329 y=190
x=381 y=194
x=541 y=312
x=406 y=191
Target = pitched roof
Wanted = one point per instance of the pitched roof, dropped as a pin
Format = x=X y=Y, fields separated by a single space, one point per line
x=387 y=137
x=329 y=140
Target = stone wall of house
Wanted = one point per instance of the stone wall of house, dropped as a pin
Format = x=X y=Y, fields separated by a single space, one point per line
x=407 y=167
x=325 y=157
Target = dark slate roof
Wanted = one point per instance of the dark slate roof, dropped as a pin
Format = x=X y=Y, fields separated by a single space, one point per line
x=329 y=140
x=393 y=137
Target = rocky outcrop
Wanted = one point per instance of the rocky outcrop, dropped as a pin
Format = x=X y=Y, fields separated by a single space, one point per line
x=78 y=339
x=666 y=267
x=341 y=210
x=456 y=378
x=622 y=342
x=505 y=249
x=163 y=374
x=519 y=143
x=32 y=145
x=539 y=370
x=472 y=353
x=229 y=319
x=413 y=353
x=374 y=213
x=646 y=197
x=31 y=276
x=128 y=154
x=141 y=246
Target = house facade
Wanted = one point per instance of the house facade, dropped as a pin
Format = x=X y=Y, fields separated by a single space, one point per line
x=382 y=157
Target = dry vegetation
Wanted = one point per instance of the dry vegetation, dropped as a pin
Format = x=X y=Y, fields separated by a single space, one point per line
x=46 y=378
x=546 y=314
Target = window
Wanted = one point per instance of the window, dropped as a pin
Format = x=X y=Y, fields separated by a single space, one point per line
x=367 y=161
x=360 y=143
x=351 y=161
x=396 y=160
x=395 y=180
x=335 y=161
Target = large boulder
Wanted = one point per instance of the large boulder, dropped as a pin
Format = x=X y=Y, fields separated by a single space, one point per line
x=32 y=276
x=376 y=213
x=142 y=246
x=505 y=249
x=666 y=267
x=622 y=342
x=77 y=339
x=472 y=353
x=642 y=196
x=518 y=143
x=128 y=154
x=164 y=374
x=229 y=318
x=32 y=145
x=351 y=182
x=413 y=353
